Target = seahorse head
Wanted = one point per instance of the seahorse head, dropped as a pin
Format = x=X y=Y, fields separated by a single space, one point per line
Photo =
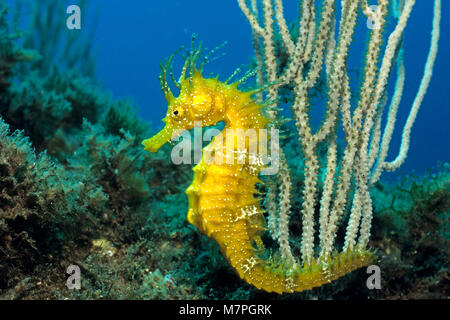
x=199 y=103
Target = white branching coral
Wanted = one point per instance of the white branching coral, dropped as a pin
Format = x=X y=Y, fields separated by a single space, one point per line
x=321 y=51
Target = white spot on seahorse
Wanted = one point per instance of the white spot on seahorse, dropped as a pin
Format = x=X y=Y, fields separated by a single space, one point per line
x=247 y=212
x=251 y=263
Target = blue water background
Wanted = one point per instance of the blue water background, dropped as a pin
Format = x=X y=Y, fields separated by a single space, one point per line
x=134 y=36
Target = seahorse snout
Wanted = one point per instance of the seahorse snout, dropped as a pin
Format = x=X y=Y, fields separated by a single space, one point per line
x=157 y=141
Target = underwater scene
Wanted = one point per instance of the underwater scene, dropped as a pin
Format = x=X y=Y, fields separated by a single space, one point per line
x=224 y=150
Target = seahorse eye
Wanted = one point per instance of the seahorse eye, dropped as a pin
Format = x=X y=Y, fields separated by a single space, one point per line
x=175 y=112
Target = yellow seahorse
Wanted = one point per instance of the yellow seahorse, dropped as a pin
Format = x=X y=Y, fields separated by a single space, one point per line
x=222 y=202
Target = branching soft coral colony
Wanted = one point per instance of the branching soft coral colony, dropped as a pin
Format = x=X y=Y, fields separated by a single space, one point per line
x=222 y=201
